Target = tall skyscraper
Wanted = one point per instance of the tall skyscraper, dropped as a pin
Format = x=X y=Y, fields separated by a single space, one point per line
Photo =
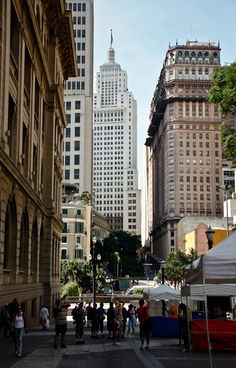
x=77 y=150
x=184 y=151
x=115 y=181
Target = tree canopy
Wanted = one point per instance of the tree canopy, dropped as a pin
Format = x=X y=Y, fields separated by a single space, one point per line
x=175 y=265
x=120 y=252
x=223 y=92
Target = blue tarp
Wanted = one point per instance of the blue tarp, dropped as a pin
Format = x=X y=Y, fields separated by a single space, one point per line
x=165 y=327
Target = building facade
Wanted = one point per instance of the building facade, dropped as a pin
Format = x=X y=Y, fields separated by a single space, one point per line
x=184 y=158
x=115 y=172
x=36 y=56
x=77 y=151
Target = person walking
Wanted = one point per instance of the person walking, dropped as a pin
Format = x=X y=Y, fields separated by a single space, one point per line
x=79 y=318
x=117 y=323
x=101 y=316
x=110 y=320
x=89 y=314
x=94 y=319
x=44 y=317
x=6 y=321
x=19 y=323
x=125 y=316
x=60 y=314
x=184 y=332
x=144 y=324
x=131 y=319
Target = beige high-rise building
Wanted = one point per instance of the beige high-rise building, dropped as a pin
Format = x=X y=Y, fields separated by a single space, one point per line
x=37 y=55
x=184 y=158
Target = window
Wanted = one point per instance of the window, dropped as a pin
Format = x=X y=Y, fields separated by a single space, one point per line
x=64 y=211
x=68 y=105
x=77 y=105
x=63 y=254
x=64 y=239
x=76 y=173
x=67 y=160
x=77 y=145
x=67 y=174
x=77 y=132
x=68 y=118
x=77 y=159
x=77 y=117
x=67 y=146
x=67 y=132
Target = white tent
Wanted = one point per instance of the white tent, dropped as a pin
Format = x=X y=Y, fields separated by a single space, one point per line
x=216 y=266
x=197 y=291
x=163 y=292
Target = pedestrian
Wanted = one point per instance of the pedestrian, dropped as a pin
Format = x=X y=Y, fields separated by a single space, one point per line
x=117 y=323
x=12 y=310
x=44 y=317
x=131 y=319
x=144 y=324
x=110 y=320
x=101 y=317
x=78 y=314
x=89 y=314
x=94 y=322
x=183 y=316
x=125 y=316
x=19 y=323
x=5 y=321
x=60 y=315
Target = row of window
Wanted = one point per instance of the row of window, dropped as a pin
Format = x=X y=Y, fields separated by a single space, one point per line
x=76 y=6
x=76 y=160
x=75 y=85
x=76 y=134
x=77 y=105
x=79 y=20
x=68 y=176
x=79 y=33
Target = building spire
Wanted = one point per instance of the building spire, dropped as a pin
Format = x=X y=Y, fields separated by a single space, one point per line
x=111 y=52
x=111 y=39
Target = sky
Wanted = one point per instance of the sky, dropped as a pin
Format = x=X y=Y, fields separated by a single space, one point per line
x=142 y=31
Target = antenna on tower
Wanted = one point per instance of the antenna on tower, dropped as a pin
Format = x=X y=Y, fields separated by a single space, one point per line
x=111 y=39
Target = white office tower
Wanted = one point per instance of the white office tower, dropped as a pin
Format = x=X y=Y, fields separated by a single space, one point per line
x=77 y=150
x=115 y=175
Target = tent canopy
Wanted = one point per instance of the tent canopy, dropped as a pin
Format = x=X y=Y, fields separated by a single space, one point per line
x=218 y=265
x=163 y=292
x=197 y=291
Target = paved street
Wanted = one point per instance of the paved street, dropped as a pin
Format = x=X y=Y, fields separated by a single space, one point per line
x=101 y=353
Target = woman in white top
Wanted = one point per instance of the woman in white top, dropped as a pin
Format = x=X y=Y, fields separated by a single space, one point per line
x=19 y=324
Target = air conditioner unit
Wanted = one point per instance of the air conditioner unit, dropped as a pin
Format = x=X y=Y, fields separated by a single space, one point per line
x=233 y=195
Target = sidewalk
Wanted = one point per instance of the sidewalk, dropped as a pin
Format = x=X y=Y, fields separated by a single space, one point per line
x=100 y=353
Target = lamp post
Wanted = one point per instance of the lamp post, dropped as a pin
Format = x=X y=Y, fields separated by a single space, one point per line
x=209 y=234
x=94 y=260
x=163 y=263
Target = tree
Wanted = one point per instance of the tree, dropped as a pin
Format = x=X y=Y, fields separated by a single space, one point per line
x=223 y=92
x=175 y=265
x=81 y=273
x=124 y=248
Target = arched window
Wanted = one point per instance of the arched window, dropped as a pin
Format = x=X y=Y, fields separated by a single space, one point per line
x=24 y=243
x=9 y=256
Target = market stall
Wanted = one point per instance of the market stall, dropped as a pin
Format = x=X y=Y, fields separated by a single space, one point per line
x=214 y=274
x=162 y=325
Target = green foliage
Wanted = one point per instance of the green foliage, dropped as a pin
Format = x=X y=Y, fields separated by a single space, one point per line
x=81 y=273
x=124 y=248
x=175 y=265
x=228 y=139
x=70 y=289
x=223 y=91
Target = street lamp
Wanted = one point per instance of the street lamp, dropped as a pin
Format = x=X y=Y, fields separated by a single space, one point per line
x=209 y=234
x=95 y=260
x=163 y=264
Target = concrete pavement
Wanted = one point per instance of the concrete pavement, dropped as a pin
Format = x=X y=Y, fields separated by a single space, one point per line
x=101 y=353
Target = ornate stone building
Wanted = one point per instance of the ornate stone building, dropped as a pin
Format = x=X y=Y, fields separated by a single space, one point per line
x=37 y=55
x=184 y=157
